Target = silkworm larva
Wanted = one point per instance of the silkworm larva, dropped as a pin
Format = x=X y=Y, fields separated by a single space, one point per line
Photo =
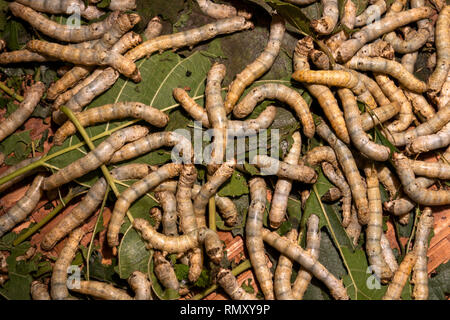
x=353 y=229
x=55 y=6
x=332 y=195
x=375 y=226
x=301 y=2
x=208 y=190
x=319 y=59
x=439 y=4
x=272 y=166
x=313 y=248
x=442 y=36
x=260 y=66
x=122 y=5
x=156 y=215
x=229 y=283
x=135 y=191
x=283 y=272
x=444 y=97
x=15 y=167
x=164 y=272
x=17 y=118
x=39 y=291
x=441 y=139
x=395 y=288
x=185 y=208
x=348 y=165
x=23 y=207
x=58 y=287
x=254 y=238
x=335 y=41
x=191 y=107
x=215 y=10
x=101 y=290
x=374 y=90
x=413 y=189
x=388 y=254
x=388 y=180
x=379 y=48
x=436 y=170
x=168 y=202
x=213 y=245
x=154 y=28
x=283 y=187
x=282 y=93
x=227 y=210
x=88 y=57
x=320 y=154
x=59 y=31
x=326 y=24
x=338 y=180
x=305 y=259
x=189 y=37
x=379 y=115
x=94 y=159
x=349 y=18
x=420 y=273
x=371 y=13
x=323 y=94
x=141 y=286
x=110 y=112
x=22 y=56
x=374 y=30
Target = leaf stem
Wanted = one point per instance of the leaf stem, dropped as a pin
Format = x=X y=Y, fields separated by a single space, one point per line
x=11 y=93
x=212 y=214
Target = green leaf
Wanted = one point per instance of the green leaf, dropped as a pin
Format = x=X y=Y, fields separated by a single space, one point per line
x=248 y=286
x=182 y=271
x=439 y=284
x=20 y=144
x=293 y=15
x=103 y=4
x=236 y=186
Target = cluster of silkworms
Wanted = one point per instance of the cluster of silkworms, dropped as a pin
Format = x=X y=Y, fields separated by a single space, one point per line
x=350 y=70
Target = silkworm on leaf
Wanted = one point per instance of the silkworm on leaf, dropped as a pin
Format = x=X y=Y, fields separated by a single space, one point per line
x=189 y=37
x=17 y=118
x=16 y=167
x=213 y=245
x=279 y=92
x=101 y=290
x=441 y=139
x=353 y=229
x=141 y=286
x=379 y=115
x=94 y=159
x=23 y=207
x=332 y=195
x=154 y=28
x=135 y=191
x=304 y=277
x=156 y=217
x=110 y=112
x=58 y=286
x=283 y=272
x=39 y=291
x=395 y=288
x=217 y=11
x=420 y=273
x=272 y=166
x=254 y=237
x=22 y=56
x=260 y=66
x=388 y=254
x=305 y=259
x=326 y=24
x=168 y=202
x=283 y=187
x=388 y=179
x=320 y=154
x=229 y=283
x=164 y=272
x=371 y=13
x=227 y=210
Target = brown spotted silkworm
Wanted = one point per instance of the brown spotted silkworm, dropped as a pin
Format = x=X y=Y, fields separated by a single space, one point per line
x=168 y=203
x=154 y=28
x=283 y=272
x=353 y=229
x=440 y=139
x=379 y=48
x=326 y=24
x=141 y=286
x=395 y=288
x=164 y=272
x=229 y=283
x=39 y=291
x=101 y=290
x=332 y=195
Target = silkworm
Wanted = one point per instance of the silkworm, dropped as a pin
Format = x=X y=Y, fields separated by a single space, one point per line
x=217 y=11
x=374 y=30
x=281 y=93
x=439 y=4
x=395 y=288
x=379 y=115
x=260 y=66
x=22 y=56
x=371 y=13
x=17 y=118
x=283 y=272
x=94 y=159
x=349 y=17
x=430 y=142
x=141 y=286
x=444 y=97
x=353 y=229
x=189 y=37
x=227 y=210
x=272 y=166
x=283 y=187
x=427 y=169
x=58 y=31
x=313 y=248
x=61 y=7
x=168 y=202
x=320 y=154
x=319 y=59
x=229 y=283
x=374 y=90
x=101 y=290
x=135 y=191
x=213 y=246
x=388 y=180
x=58 y=286
x=39 y=291
x=420 y=273
x=413 y=189
x=442 y=36
x=330 y=16
x=122 y=5
x=347 y=162
x=379 y=48
x=156 y=217
x=155 y=141
x=16 y=167
x=110 y=112
x=23 y=207
x=323 y=94
x=332 y=195
x=154 y=28
x=254 y=237
x=375 y=226
x=388 y=254
x=164 y=272
x=305 y=259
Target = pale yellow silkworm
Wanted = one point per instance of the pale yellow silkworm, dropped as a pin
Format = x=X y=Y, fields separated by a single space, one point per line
x=379 y=48
x=213 y=246
x=154 y=28
x=254 y=236
x=379 y=115
x=258 y=67
x=164 y=272
x=22 y=56
x=349 y=17
x=134 y=192
x=439 y=4
x=229 y=283
x=216 y=10
x=19 y=178
x=330 y=16
x=17 y=118
x=436 y=170
x=304 y=277
x=388 y=254
x=63 y=7
x=371 y=13
x=282 y=93
x=305 y=259
x=110 y=112
x=23 y=207
x=283 y=187
x=444 y=97
x=335 y=41
x=283 y=272
x=168 y=203
x=320 y=154
x=420 y=273
x=353 y=229
x=441 y=139
x=58 y=286
x=388 y=180
x=395 y=288
x=101 y=290
x=122 y=5
x=39 y=291
x=94 y=159
x=141 y=286
x=374 y=90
